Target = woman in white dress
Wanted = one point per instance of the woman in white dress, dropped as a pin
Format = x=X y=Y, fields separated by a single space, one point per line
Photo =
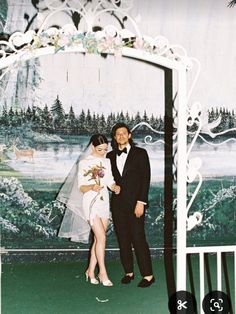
x=86 y=196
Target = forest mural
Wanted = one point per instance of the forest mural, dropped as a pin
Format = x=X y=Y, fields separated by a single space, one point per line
x=49 y=107
x=40 y=146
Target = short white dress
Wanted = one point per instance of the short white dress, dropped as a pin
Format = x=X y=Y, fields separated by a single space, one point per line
x=82 y=208
x=95 y=170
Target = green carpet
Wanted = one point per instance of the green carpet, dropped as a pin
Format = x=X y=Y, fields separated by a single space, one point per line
x=51 y=288
x=60 y=288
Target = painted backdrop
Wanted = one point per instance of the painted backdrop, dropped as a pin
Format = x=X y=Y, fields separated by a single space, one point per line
x=51 y=105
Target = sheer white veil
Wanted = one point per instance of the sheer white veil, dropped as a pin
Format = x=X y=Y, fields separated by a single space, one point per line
x=74 y=224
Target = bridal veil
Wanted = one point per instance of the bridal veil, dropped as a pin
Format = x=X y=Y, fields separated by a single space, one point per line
x=74 y=224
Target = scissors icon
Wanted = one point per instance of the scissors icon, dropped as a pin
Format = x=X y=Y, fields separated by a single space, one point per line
x=181 y=305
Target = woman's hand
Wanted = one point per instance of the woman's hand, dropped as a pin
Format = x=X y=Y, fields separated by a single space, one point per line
x=115 y=188
x=96 y=188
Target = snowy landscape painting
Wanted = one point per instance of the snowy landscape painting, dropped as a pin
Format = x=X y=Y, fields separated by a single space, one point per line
x=42 y=144
x=50 y=106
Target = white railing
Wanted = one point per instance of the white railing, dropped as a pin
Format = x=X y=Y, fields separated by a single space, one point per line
x=218 y=250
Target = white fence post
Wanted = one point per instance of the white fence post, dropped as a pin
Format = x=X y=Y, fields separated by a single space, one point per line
x=181 y=180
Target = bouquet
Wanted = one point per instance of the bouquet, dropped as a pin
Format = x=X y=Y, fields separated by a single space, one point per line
x=96 y=173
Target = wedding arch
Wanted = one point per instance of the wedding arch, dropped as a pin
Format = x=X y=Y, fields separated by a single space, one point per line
x=94 y=36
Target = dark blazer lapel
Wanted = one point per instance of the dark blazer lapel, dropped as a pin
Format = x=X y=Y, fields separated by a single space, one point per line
x=128 y=161
x=113 y=160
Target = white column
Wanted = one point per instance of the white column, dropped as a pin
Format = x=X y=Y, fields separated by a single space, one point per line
x=181 y=180
x=202 y=280
x=219 y=275
x=235 y=280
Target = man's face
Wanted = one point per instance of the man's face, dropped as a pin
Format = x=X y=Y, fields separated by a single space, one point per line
x=122 y=136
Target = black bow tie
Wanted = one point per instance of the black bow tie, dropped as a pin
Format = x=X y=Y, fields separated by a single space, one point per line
x=119 y=152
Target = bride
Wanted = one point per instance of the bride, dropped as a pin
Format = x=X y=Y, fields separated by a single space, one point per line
x=85 y=194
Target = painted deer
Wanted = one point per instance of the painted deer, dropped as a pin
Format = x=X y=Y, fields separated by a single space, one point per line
x=2 y=147
x=23 y=152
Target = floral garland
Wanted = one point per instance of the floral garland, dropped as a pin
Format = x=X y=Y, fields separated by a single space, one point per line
x=91 y=42
x=108 y=40
x=105 y=41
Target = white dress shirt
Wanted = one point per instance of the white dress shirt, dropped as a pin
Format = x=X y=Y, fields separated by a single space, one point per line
x=120 y=160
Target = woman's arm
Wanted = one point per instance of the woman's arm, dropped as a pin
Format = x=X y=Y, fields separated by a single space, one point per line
x=110 y=179
x=90 y=187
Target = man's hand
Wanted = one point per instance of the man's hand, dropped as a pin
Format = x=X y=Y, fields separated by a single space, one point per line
x=139 y=209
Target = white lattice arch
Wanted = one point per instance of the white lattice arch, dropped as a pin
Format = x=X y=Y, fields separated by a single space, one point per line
x=110 y=39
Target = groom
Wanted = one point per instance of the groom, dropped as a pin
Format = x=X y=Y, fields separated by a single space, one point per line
x=131 y=171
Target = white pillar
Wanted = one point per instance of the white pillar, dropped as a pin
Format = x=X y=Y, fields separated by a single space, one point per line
x=202 y=280
x=219 y=271
x=181 y=179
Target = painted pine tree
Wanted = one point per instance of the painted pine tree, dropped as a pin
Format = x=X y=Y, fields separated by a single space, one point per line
x=58 y=115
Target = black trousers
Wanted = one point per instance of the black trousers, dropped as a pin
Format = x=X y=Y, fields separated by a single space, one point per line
x=130 y=233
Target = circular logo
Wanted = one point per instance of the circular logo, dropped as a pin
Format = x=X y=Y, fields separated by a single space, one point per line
x=182 y=302
x=216 y=302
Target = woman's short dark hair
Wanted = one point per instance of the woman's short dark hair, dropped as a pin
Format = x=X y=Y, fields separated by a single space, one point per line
x=98 y=139
x=113 y=133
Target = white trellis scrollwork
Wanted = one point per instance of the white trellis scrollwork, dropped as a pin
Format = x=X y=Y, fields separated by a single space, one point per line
x=90 y=35
x=203 y=127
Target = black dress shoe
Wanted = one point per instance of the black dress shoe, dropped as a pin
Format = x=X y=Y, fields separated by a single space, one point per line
x=144 y=283
x=126 y=279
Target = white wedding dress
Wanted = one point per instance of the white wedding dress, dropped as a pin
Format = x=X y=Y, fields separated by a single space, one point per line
x=83 y=207
x=95 y=203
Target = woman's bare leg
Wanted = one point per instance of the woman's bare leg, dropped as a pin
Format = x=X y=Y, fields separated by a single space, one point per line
x=99 y=230
x=92 y=261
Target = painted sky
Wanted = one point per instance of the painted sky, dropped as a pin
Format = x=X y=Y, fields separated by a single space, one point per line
x=206 y=29
x=101 y=85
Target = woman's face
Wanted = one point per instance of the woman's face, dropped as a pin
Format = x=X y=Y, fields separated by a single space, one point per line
x=100 y=150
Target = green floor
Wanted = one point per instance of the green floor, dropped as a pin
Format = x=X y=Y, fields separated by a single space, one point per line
x=60 y=288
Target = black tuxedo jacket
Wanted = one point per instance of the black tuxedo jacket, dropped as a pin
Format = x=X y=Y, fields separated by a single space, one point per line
x=135 y=179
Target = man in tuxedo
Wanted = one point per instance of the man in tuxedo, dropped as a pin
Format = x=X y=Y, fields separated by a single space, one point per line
x=131 y=171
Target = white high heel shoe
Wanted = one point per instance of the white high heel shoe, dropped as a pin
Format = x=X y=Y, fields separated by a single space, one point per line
x=93 y=281
x=106 y=283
